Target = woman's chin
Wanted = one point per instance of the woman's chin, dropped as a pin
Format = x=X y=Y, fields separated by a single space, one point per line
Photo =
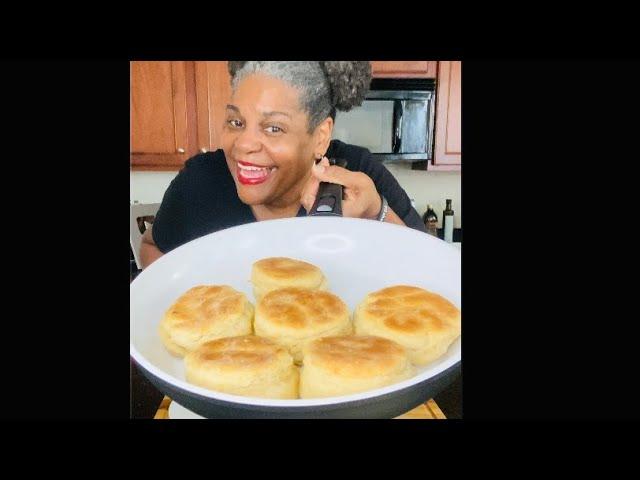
x=252 y=195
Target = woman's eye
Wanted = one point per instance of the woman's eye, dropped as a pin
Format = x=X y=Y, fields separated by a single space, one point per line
x=273 y=129
x=235 y=123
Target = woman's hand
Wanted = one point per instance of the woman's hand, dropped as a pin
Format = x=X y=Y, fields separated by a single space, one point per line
x=361 y=199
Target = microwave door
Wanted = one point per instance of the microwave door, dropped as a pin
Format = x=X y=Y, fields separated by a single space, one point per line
x=397 y=126
x=413 y=126
x=370 y=125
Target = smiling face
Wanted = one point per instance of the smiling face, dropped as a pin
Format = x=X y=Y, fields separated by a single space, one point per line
x=266 y=141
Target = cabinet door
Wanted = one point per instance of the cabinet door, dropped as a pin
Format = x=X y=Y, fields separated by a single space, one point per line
x=163 y=130
x=448 y=139
x=405 y=69
x=213 y=89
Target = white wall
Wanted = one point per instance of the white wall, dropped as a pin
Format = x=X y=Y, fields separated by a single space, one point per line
x=431 y=188
x=424 y=187
x=149 y=187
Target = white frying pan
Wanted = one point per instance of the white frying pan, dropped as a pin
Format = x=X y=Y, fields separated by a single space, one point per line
x=357 y=256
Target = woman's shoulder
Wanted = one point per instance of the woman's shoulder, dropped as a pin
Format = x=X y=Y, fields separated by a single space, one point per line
x=358 y=158
x=203 y=163
x=203 y=168
x=347 y=151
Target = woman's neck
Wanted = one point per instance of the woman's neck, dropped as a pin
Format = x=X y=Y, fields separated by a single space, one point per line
x=285 y=207
x=270 y=212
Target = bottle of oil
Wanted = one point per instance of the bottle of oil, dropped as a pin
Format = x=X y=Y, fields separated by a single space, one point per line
x=447 y=222
x=430 y=220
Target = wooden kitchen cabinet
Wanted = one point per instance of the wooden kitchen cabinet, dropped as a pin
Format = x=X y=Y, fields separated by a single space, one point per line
x=448 y=118
x=213 y=92
x=177 y=111
x=404 y=69
x=163 y=114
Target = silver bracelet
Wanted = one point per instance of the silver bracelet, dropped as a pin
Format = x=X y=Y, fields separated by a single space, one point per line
x=384 y=208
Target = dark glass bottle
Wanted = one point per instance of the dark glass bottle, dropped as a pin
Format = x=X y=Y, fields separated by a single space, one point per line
x=430 y=220
x=447 y=222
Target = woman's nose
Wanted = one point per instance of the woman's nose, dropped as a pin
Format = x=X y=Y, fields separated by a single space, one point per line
x=247 y=142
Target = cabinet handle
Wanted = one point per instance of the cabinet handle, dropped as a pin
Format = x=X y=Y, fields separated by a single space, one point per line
x=203 y=150
x=181 y=150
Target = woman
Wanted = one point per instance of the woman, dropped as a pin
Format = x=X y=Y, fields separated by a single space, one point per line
x=278 y=125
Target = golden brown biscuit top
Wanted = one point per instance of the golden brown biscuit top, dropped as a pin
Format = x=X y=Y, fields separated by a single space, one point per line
x=247 y=351
x=284 y=268
x=411 y=309
x=204 y=304
x=299 y=308
x=356 y=356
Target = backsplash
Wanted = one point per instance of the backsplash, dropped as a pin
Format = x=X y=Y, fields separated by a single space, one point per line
x=430 y=188
x=149 y=187
x=424 y=187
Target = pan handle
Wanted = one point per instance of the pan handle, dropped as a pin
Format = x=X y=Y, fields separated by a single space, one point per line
x=329 y=197
x=328 y=201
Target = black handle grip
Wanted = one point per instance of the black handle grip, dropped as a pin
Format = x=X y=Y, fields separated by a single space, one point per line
x=329 y=197
x=328 y=200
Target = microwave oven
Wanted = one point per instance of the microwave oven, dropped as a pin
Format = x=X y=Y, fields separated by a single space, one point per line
x=395 y=121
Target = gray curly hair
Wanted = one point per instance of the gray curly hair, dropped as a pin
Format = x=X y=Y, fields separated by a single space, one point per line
x=324 y=86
